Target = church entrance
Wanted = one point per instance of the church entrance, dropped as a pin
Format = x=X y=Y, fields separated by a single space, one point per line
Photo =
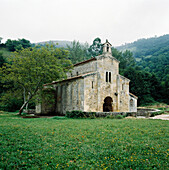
x=107 y=106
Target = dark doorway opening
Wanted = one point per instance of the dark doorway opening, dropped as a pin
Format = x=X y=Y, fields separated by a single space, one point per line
x=107 y=106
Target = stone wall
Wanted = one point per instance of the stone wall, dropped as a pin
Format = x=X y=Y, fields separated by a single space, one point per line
x=70 y=96
x=132 y=104
x=83 y=69
x=90 y=93
x=123 y=94
x=107 y=88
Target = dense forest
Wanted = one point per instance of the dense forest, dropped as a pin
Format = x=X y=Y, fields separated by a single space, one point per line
x=151 y=54
x=145 y=62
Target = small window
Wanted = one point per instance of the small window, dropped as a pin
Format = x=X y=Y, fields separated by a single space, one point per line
x=71 y=74
x=122 y=86
x=131 y=103
x=92 y=84
x=110 y=77
x=107 y=48
x=77 y=73
x=106 y=76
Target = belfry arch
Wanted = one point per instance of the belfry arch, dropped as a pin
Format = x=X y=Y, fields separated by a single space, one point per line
x=107 y=106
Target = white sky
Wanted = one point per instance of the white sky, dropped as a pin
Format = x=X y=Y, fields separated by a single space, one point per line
x=119 y=21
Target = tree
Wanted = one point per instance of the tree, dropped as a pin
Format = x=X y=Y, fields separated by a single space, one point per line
x=2 y=60
x=14 y=45
x=126 y=59
x=0 y=39
x=96 y=48
x=78 y=52
x=30 y=68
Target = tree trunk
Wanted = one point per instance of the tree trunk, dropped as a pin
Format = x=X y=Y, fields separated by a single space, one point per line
x=22 y=107
x=30 y=97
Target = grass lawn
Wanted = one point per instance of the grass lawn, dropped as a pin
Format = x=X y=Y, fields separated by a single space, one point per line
x=46 y=143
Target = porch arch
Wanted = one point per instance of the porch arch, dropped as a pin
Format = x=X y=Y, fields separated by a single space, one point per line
x=107 y=106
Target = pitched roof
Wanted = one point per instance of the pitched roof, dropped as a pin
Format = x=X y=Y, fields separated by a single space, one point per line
x=106 y=42
x=86 y=61
x=71 y=78
x=133 y=95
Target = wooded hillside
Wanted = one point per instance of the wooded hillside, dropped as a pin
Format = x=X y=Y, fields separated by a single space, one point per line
x=151 y=54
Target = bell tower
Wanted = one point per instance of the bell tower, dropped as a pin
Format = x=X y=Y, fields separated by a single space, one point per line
x=107 y=47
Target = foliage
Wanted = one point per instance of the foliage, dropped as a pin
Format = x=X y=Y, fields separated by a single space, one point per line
x=151 y=54
x=156 y=113
x=146 y=47
x=75 y=114
x=78 y=52
x=5 y=52
x=30 y=68
x=80 y=114
x=126 y=59
x=45 y=143
x=144 y=85
x=2 y=59
x=10 y=100
x=96 y=48
x=59 y=117
x=115 y=116
x=14 y=45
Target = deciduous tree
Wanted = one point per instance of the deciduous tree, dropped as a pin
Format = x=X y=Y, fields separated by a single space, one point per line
x=30 y=68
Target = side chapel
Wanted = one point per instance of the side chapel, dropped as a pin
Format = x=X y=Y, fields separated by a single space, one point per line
x=94 y=85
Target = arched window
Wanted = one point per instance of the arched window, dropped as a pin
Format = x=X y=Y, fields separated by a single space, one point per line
x=106 y=76
x=92 y=84
x=110 y=77
x=131 y=103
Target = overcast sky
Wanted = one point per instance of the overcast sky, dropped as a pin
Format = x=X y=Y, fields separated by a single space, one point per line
x=119 y=21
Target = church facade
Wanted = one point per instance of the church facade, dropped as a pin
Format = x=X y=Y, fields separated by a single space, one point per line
x=94 y=85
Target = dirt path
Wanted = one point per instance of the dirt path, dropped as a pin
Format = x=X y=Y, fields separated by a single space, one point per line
x=162 y=117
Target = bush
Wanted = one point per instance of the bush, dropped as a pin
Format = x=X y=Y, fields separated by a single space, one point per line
x=91 y=115
x=110 y=116
x=156 y=113
x=59 y=117
x=80 y=114
x=75 y=114
x=119 y=117
x=11 y=105
x=115 y=116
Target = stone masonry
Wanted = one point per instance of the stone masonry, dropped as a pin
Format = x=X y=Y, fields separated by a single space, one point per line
x=94 y=85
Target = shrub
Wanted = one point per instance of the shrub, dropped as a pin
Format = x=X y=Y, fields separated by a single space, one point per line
x=91 y=115
x=119 y=117
x=115 y=116
x=75 y=114
x=156 y=113
x=59 y=117
x=110 y=116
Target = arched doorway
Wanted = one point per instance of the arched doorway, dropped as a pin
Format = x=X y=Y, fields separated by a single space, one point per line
x=107 y=106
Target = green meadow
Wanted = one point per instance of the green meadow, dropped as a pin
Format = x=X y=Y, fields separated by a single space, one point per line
x=46 y=143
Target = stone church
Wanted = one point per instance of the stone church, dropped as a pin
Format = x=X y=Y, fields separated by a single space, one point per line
x=94 y=85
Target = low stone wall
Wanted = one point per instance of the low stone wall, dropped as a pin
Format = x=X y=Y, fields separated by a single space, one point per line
x=104 y=114
x=145 y=112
